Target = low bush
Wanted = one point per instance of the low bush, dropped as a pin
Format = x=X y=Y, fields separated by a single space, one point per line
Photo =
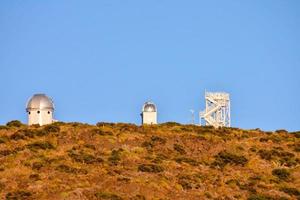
x=115 y=157
x=28 y=133
x=250 y=186
x=281 y=131
x=188 y=182
x=31 y=133
x=148 y=145
x=157 y=139
x=285 y=158
x=138 y=197
x=34 y=177
x=3 y=139
x=83 y=157
x=124 y=127
x=102 y=124
x=3 y=127
x=150 y=168
x=296 y=134
x=291 y=191
x=90 y=146
x=17 y=136
x=40 y=146
x=18 y=195
x=264 y=139
x=7 y=152
x=189 y=161
x=223 y=158
x=37 y=165
x=101 y=132
x=52 y=128
x=281 y=173
x=179 y=149
x=271 y=154
x=260 y=197
x=159 y=158
x=170 y=124
x=107 y=196
x=297 y=147
x=14 y=123
x=70 y=170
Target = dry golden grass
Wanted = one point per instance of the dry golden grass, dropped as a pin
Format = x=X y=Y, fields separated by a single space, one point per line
x=167 y=161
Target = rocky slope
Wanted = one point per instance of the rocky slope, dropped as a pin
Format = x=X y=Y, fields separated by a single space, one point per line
x=166 y=161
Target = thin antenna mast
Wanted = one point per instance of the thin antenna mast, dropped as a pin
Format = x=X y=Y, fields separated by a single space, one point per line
x=192 y=116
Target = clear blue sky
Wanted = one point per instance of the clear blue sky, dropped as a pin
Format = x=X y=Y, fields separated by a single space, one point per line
x=101 y=60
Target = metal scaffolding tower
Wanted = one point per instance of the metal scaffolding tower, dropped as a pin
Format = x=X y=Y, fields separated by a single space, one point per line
x=217 y=109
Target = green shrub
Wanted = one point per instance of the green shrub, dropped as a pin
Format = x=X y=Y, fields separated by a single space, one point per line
x=37 y=165
x=107 y=196
x=90 y=146
x=102 y=124
x=18 y=195
x=40 y=145
x=264 y=139
x=281 y=173
x=156 y=139
x=268 y=155
x=123 y=179
x=52 y=128
x=115 y=157
x=14 y=123
x=297 y=147
x=223 y=158
x=189 y=161
x=86 y=158
x=17 y=136
x=101 y=132
x=3 y=139
x=253 y=149
x=170 y=124
x=159 y=158
x=281 y=131
x=148 y=145
x=70 y=170
x=123 y=127
x=27 y=133
x=59 y=123
x=190 y=181
x=260 y=197
x=7 y=152
x=296 y=134
x=138 y=197
x=291 y=191
x=2 y=186
x=179 y=149
x=285 y=158
x=35 y=177
x=3 y=127
x=150 y=168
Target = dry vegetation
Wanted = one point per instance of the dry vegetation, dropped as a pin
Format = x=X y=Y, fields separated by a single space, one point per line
x=167 y=161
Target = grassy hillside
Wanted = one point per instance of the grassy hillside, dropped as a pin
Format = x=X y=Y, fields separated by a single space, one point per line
x=168 y=161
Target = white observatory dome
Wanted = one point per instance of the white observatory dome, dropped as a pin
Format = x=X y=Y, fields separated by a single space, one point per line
x=149 y=107
x=40 y=102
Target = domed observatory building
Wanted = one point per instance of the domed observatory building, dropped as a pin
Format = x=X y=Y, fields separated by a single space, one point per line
x=149 y=113
x=40 y=110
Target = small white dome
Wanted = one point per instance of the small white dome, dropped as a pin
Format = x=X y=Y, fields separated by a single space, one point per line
x=149 y=107
x=40 y=102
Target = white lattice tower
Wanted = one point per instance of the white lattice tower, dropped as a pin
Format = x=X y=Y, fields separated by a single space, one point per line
x=217 y=109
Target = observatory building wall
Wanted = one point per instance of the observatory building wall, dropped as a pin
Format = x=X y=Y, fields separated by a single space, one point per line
x=41 y=117
x=149 y=118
